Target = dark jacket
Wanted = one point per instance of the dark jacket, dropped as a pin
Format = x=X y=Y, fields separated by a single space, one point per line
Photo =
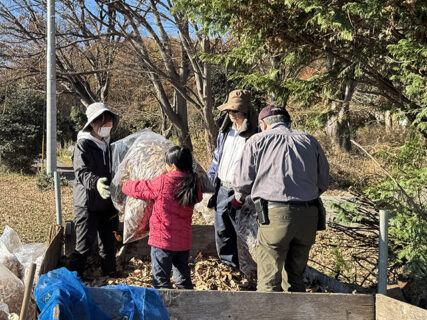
x=90 y=163
x=249 y=128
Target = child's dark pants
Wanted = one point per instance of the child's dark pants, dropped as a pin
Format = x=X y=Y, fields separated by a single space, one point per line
x=162 y=262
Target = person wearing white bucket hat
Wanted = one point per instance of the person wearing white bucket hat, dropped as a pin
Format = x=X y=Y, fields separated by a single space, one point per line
x=95 y=217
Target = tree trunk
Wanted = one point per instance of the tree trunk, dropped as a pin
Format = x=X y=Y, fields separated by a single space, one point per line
x=338 y=125
x=183 y=133
x=388 y=121
x=211 y=128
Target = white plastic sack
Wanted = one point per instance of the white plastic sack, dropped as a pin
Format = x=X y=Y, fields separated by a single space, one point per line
x=11 y=290
x=10 y=261
x=144 y=160
x=4 y=311
x=26 y=253
x=10 y=239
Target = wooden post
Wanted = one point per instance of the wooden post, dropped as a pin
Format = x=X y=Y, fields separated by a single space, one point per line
x=28 y=290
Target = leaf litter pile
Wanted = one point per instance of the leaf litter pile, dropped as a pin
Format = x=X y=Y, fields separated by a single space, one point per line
x=31 y=212
x=206 y=274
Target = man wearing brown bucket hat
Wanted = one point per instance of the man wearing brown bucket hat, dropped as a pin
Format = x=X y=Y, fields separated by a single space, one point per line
x=284 y=171
x=235 y=128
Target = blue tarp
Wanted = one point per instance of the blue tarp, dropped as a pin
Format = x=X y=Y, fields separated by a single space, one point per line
x=76 y=301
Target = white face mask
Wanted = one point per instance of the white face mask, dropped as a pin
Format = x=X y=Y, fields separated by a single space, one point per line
x=104 y=132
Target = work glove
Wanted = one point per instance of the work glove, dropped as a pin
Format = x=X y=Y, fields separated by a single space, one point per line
x=103 y=188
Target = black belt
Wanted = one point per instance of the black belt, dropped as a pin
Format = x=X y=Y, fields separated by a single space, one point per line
x=277 y=204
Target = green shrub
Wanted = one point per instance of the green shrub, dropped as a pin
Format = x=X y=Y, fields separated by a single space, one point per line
x=45 y=181
x=21 y=127
x=404 y=195
x=78 y=118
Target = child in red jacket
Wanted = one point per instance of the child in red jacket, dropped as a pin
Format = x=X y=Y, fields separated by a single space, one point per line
x=174 y=193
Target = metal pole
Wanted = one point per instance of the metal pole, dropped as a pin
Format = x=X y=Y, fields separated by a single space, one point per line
x=58 y=199
x=51 y=90
x=383 y=252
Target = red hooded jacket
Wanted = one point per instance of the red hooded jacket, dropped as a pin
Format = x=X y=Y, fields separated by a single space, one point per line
x=170 y=223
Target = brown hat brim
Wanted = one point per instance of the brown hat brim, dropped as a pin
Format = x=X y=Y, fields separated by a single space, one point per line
x=233 y=106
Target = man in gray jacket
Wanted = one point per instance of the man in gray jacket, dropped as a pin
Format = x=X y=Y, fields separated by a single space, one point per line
x=284 y=171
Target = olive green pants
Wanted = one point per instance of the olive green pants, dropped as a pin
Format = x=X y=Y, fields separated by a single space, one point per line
x=283 y=247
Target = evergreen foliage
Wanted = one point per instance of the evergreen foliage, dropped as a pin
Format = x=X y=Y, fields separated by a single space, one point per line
x=380 y=44
x=21 y=129
x=408 y=208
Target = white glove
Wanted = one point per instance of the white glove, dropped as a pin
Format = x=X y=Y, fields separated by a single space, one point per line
x=103 y=188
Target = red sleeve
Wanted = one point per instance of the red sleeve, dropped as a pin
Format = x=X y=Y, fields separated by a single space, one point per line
x=143 y=189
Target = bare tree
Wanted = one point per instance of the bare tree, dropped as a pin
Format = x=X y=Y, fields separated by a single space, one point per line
x=85 y=47
x=173 y=60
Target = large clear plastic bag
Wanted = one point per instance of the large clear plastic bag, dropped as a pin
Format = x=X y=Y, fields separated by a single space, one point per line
x=202 y=207
x=11 y=290
x=25 y=253
x=4 y=311
x=120 y=148
x=10 y=239
x=247 y=229
x=144 y=160
x=10 y=261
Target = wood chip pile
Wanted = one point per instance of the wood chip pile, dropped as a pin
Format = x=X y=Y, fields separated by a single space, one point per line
x=207 y=273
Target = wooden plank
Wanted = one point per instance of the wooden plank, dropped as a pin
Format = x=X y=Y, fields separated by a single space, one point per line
x=53 y=252
x=202 y=305
x=387 y=308
x=203 y=240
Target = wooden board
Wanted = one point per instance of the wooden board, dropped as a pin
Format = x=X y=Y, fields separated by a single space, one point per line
x=53 y=252
x=387 y=308
x=201 y=305
x=203 y=240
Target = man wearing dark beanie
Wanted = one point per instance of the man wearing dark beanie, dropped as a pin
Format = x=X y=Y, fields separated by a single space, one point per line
x=284 y=171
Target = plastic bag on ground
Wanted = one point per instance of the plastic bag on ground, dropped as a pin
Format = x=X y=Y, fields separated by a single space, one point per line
x=11 y=290
x=76 y=301
x=10 y=239
x=4 y=311
x=25 y=253
x=144 y=160
x=10 y=261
